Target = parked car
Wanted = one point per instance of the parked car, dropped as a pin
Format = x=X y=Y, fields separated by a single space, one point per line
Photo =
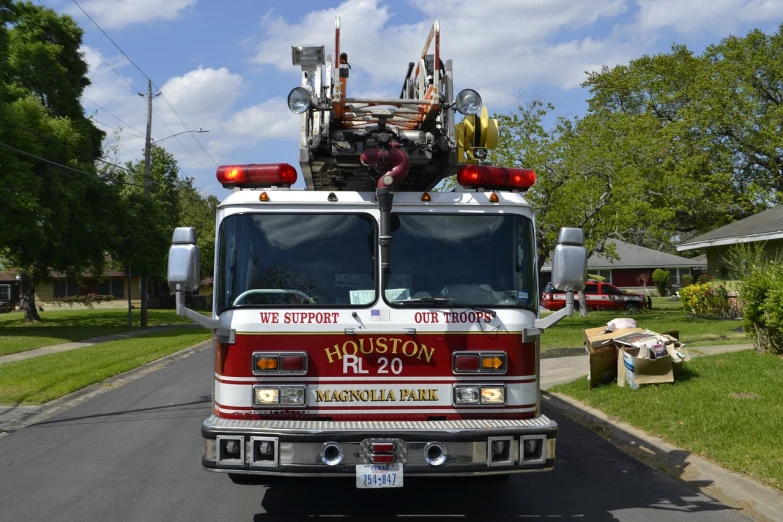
x=599 y=296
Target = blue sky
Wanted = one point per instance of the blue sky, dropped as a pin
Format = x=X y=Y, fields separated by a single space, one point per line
x=225 y=66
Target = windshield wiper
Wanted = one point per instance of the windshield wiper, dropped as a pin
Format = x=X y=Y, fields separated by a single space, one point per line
x=427 y=300
x=450 y=301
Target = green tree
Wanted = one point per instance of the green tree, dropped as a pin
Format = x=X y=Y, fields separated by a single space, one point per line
x=199 y=211
x=53 y=219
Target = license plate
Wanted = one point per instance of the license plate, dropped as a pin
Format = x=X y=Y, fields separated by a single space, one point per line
x=372 y=476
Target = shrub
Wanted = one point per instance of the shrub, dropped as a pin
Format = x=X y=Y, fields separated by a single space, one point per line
x=596 y=277
x=761 y=294
x=708 y=299
x=686 y=280
x=87 y=300
x=704 y=278
x=661 y=279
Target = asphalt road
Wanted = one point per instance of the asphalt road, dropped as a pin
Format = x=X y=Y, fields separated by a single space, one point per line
x=133 y=454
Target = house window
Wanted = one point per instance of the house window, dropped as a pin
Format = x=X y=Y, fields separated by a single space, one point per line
x=674 y=278
x=113 y=287
x=65 y=289
x=5 y=293
x=606 y=274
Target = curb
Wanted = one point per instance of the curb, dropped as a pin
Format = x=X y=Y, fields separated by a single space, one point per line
x=752 y=499
x=32 y=415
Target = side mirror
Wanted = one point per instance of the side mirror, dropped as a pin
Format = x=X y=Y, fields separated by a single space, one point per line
x=569 y=266
x=184 y=260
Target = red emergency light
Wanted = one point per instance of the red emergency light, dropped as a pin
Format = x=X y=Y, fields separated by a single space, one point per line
x=495 y=177
x=257 y=175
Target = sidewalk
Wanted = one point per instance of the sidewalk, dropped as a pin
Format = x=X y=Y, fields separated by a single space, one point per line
x=65 y=347
x=565 y=369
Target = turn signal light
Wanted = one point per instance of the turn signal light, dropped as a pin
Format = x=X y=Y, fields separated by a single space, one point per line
x=495 y=177
x=480 y=362
x=256 y=175
x=267 y=364
x=493 y=363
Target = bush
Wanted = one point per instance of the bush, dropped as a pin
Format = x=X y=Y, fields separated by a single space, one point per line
x=596 y=277
x=661 y=279
x=686 y=280
x=708 y=299
x=87 y=300
x=704 y=278
x=761 y=294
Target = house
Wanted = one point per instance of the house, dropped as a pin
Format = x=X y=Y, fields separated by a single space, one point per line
x=635 y=263
x=766 y=227
x=51 y=294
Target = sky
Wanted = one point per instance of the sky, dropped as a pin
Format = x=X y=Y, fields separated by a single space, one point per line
x=225 y=65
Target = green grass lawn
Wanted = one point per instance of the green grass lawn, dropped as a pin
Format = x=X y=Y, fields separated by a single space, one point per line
x=63 y=326
x=727 y=408
x=694 y=331
x=42 y=379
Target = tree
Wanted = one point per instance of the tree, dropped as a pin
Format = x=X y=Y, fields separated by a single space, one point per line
x=199 y=211
x=53 y=219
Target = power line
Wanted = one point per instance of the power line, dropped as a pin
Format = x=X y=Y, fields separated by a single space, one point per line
x=109 y=37
x=78 y=171
x=116 y=128
x=49 y=138
x=112 y=115
x=164 y=97
x=186 y=127
x=180 y=142
x=110 y=67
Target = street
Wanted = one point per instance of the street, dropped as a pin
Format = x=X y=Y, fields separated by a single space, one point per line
x=133 y=454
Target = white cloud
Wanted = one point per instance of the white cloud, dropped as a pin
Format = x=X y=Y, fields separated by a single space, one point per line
x=715 y=16
x=117 y=14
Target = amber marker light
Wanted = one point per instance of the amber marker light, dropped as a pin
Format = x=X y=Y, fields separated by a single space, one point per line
x=493 y=198
x=426 y=197
x=267 y=363
x=263 y=197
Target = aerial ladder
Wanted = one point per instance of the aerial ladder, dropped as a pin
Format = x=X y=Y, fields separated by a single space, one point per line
x=409 y=143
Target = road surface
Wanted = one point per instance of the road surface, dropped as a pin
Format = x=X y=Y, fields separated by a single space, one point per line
x=133 y=454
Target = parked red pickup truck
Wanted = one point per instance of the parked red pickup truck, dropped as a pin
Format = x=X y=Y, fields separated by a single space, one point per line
x=599 y=296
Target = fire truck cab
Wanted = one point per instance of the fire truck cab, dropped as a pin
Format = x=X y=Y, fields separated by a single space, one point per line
x=369 y=326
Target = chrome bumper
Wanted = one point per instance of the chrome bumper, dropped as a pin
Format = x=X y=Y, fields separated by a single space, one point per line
x=308 y=448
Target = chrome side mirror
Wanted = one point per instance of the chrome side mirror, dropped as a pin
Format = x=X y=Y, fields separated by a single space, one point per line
x=184 y=272
x=569 y=265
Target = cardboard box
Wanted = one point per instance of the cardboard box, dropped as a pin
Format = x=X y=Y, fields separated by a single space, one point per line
x=602 y=353
x=606 y=364
x=635 y=371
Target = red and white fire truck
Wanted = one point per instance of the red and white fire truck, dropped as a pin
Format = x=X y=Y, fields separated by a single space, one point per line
x=369 y=326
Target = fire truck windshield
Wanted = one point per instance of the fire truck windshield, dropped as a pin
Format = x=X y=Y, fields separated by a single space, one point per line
x=296 y=260
x=462 y=259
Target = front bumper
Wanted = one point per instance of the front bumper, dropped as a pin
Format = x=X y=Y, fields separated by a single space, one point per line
x=310 y=448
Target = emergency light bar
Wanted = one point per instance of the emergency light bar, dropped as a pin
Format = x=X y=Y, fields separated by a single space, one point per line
x=495 y=177
x=261 y=175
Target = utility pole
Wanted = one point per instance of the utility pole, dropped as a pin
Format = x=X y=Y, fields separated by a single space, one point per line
x=147 y=188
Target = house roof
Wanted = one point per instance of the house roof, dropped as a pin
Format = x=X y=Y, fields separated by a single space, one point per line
x=763 y=226
x=635 y=256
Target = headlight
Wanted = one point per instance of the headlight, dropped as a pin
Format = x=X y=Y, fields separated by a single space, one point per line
x=299 y=100
x=266 y=396
x=493 y=395
x=466 y=395
x=292 y=396
x=468 y=102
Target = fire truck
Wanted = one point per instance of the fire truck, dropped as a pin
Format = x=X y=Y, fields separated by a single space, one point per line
x=370 y=326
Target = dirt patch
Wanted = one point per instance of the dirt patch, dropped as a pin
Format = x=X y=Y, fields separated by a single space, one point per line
x=553 y=353
x=744 y=395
